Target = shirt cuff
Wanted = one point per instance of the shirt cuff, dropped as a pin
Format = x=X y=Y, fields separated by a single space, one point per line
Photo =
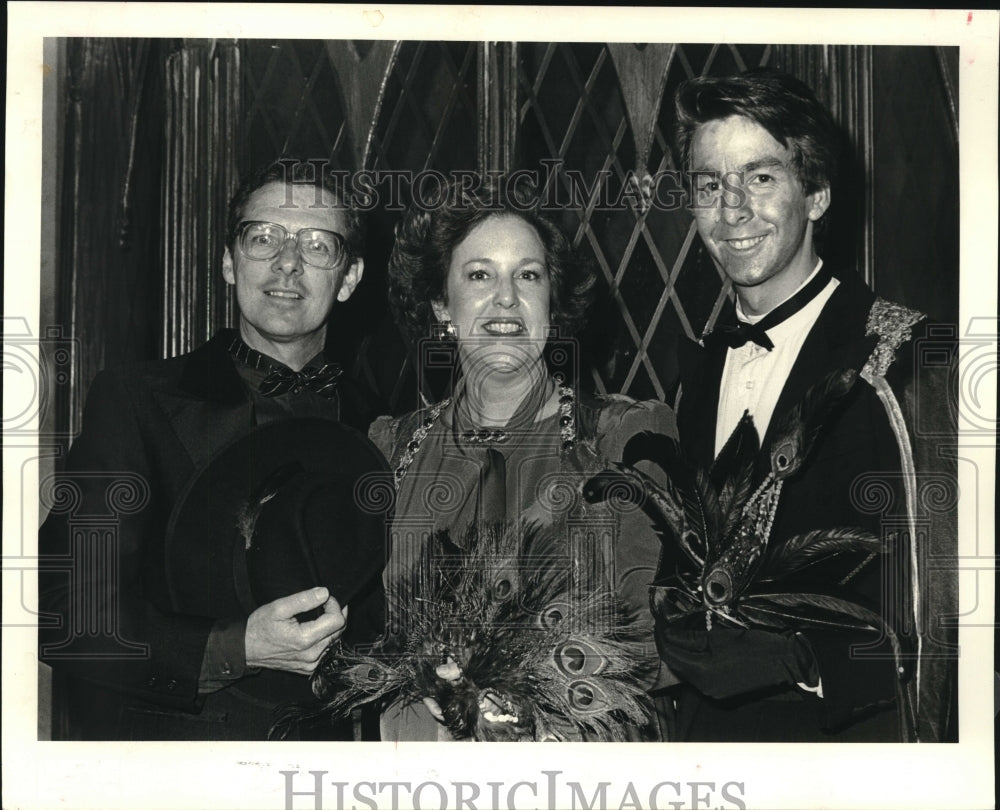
x=808 y=667
x=817 y=689
x=225 y=660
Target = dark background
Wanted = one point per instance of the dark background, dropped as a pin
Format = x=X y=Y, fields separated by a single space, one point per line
x=149 y=137
x=146 y=139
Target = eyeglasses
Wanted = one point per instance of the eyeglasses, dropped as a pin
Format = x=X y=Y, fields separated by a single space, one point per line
x=265 y=240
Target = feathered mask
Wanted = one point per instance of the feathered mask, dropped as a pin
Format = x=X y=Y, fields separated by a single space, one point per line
x=504 y=638
x=721 y=525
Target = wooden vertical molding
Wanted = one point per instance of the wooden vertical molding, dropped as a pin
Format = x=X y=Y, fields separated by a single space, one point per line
x=361 y=73
x=642 y=75
x=106 y=245
x=203 y=95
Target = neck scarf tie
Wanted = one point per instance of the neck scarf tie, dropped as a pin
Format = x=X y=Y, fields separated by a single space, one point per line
x=493 y=490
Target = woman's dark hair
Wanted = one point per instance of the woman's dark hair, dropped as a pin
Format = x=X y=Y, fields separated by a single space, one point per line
x=780 y=103
x=425 y=239
x=299 y=172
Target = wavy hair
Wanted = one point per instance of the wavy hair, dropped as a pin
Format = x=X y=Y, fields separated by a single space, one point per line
x=778 y=102
x=429 y=233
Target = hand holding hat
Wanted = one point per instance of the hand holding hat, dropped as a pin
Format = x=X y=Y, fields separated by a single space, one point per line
x=276 y=639
x=284 y=527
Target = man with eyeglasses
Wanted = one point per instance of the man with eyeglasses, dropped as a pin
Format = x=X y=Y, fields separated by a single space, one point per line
x=813 y=657
x=293 y=250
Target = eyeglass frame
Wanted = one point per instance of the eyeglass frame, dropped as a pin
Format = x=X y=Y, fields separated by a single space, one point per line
x=345 y=253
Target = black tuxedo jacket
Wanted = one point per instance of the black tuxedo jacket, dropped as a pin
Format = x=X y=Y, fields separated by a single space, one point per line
x=851 y=479
x=133 y=653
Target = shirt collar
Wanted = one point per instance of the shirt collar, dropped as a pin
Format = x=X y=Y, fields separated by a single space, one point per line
x=258 y=361
x=740 y=315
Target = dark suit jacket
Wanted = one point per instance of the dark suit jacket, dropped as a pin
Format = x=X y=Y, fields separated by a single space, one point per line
x=855 y=463
x=146 y=432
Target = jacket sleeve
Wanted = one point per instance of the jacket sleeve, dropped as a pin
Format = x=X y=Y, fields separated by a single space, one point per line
x=928 y=401
x=918 y=401
x=102 y=589
x=857 y=668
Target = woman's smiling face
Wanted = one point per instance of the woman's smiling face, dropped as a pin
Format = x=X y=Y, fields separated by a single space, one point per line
x=498 y=293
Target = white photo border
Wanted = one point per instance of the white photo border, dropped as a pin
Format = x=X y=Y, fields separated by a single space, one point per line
x=40 y=774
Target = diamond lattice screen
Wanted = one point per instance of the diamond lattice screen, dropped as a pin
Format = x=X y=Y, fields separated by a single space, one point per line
x=427 y=121
x=572 y=111
x=569 y=108
x=294 y=104
x=429 y=112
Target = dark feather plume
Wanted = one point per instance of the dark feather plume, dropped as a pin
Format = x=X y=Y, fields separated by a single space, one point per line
x=683 y=484
x=662 y=504
x=706 y=510
x=783 y=559
x=821 y=610
x=796 y=432
x=732 y=472
x=724 y=527
x=501 y=638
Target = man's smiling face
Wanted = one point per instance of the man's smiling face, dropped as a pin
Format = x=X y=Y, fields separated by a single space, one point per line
x=758 y=230
x=284 y=300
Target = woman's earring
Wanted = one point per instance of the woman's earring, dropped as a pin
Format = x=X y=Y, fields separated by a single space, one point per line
x=445 y=329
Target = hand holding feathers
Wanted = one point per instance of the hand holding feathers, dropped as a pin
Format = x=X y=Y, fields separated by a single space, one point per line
x=719 y=562
x=500 y=641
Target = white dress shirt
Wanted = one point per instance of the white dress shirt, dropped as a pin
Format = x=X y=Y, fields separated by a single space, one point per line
x=753 y=377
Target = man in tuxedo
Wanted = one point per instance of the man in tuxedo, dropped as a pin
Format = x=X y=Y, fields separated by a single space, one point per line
x=760 y=155
x=131 y=661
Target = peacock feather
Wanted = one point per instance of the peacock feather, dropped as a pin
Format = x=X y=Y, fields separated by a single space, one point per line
x=716 y=527
x=500 y=633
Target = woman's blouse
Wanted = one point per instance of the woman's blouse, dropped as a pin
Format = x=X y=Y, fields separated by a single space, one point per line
x=451 y=482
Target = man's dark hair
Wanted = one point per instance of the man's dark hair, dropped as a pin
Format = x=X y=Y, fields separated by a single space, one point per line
x=427 y=236
x=301 y=172
x=780 y=103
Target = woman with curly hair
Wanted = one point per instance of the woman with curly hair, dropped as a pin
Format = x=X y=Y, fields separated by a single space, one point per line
x=486 y=269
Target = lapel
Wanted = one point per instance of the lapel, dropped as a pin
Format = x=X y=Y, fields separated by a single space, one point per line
x=836 y=341
x=208 y=406
x=701 y=374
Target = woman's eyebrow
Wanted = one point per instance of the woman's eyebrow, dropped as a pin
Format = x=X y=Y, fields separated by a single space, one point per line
x=520 y=263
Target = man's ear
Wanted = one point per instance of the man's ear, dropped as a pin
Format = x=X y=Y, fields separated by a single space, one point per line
x=819 y=203
x=440 y=311
x=351 y=279
x=228 y=272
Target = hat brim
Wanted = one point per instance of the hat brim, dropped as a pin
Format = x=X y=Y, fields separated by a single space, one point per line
x=209 y=572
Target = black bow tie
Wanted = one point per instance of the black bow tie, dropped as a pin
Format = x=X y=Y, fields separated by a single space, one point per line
x=322 y=381
x=740 y=333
